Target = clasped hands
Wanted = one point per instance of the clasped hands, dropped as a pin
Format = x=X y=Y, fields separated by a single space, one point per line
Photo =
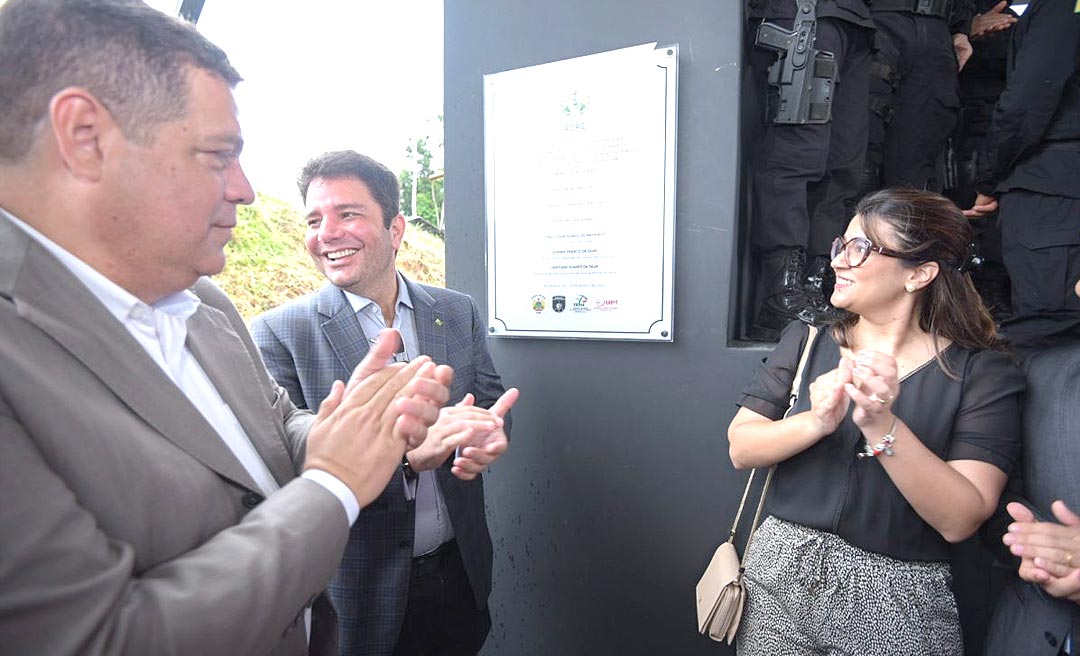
x=869 y=381
x=364 y=426
x=1049 y=551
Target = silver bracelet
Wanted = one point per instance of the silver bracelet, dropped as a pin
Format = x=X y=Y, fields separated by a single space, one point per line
x=885 y=446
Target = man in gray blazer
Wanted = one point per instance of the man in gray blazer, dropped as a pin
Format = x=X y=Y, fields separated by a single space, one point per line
x=1040 y=614
x=417 y=569
x=148 y=462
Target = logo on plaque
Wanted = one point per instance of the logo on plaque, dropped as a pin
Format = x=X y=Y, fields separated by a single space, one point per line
x=558 y=303
x=538 y=303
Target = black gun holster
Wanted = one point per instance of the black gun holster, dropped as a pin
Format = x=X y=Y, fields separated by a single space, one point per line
x=803 y=76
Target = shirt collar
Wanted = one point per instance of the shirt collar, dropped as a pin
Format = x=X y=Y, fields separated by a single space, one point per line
x=360 y=303
x=117 y=300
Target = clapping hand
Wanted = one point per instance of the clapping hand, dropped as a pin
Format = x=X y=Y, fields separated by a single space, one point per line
x=363 y=428
x=477 y=433
x=993 y=20
x=1049 y=551
x=828 y=402
x=873 y=388
x=479 y=453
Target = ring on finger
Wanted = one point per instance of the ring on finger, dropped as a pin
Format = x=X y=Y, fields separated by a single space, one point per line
x=1068 y=559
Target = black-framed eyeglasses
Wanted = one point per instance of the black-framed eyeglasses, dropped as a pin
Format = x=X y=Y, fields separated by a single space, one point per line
x=857 y=249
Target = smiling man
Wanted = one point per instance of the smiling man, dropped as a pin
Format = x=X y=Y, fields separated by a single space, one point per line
x=161 y=494
x=417 y=570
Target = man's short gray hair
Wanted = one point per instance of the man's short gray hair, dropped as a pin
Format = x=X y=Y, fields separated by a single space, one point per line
x=132 y=58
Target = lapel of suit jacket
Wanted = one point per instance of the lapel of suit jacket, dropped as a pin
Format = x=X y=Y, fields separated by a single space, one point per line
x=228 y=364
x=46 y=294
x=342 y=329
x=431 y=339
x=430 y=324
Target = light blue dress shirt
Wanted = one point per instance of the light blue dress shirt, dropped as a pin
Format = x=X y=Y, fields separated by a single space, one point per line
x=432 y=526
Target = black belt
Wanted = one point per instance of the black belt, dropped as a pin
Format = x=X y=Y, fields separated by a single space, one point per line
x=939 y=8
x=434 y=560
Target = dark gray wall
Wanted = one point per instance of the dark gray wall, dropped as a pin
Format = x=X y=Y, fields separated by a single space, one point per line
x=617 y=486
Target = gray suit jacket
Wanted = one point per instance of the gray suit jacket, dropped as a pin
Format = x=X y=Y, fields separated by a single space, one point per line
x=126 y=524
x=307 y=345
x=1027 y=620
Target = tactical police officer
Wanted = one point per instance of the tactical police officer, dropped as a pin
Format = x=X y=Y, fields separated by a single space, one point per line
x=981 y=82
x=810 y=62
x=1031 y=166
x=920 y=46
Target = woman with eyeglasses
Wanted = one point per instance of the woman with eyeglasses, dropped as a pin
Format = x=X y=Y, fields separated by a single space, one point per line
x=900 y=442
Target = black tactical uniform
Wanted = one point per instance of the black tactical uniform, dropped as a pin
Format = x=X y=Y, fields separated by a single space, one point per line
x=913 y=90
x=804 y=170
x=981 y=82
x=1035 y=160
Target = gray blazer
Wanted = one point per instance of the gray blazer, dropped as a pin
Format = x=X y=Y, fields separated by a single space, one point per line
x=307 y=345
x=126 y=524
x=1027 y=620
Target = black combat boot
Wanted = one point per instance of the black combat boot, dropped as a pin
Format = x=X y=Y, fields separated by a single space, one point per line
x=820 y=279
x=780 y=294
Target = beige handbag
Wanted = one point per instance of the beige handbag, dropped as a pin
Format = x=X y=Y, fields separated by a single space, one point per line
x=720 y=593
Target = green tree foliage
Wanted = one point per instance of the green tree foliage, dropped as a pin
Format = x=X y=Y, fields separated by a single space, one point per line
x=266 y=263
x=429 y=183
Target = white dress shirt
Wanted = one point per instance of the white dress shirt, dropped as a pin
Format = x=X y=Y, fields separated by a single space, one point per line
x=161 y=329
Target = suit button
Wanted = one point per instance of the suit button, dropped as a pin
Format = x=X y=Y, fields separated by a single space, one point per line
x=251 y=499
x=404 y=544
x=1050 y=639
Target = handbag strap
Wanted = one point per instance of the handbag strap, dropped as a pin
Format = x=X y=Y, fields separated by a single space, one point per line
x=796 y=383
x=742 y=504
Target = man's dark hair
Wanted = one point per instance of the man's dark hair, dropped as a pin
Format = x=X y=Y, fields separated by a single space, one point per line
x=131 y=57
x=348 y=164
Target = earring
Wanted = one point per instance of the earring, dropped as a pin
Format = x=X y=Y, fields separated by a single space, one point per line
x=910 y=287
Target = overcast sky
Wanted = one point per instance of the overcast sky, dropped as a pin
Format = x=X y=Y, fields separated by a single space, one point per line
x=328 y=75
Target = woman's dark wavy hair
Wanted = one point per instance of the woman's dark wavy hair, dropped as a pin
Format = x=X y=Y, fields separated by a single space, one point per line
x=927 y=227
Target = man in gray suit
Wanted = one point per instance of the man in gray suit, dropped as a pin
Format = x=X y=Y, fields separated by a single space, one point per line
x=148 y=462
x=1040 y=614
x=417 y=569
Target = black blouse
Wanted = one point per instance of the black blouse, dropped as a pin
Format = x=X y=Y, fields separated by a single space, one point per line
x=975 y=416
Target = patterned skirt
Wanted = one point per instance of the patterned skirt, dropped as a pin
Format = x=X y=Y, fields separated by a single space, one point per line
x=810 y=592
